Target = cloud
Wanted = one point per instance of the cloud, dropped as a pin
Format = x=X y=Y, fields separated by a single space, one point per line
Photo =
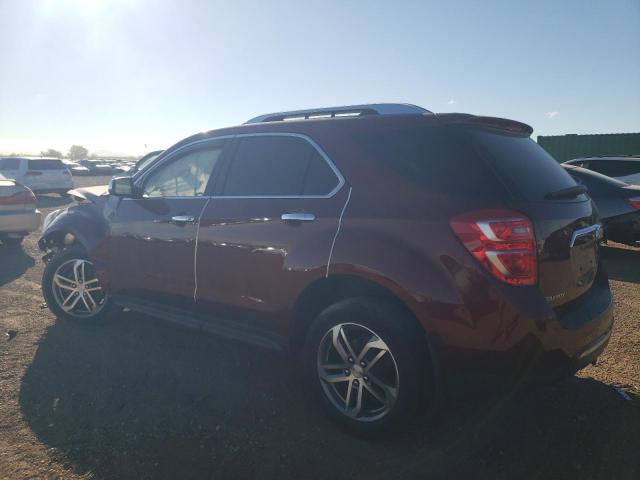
x=451 y=102
x=551 y=114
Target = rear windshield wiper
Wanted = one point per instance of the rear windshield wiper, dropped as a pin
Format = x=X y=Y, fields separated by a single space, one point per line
x=569 y=192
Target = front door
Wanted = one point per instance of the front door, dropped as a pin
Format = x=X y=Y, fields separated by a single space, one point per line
x=153 y=237
x=268 y=229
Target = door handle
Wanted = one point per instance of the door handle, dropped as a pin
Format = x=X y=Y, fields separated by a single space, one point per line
x=183 y=219
x=298 y=217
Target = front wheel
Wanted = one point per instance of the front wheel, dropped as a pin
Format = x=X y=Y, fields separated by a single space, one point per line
x=369 y=364
x=71 y=289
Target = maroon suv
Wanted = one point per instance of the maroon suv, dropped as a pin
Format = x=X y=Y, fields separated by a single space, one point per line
x=385 y=246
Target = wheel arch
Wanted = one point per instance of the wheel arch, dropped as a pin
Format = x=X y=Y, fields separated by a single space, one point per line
x=325 y=292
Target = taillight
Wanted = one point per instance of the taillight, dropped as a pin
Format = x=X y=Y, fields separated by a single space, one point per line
x=635 y=202
x=503 y=241
x=19 y=198
x=32 y=173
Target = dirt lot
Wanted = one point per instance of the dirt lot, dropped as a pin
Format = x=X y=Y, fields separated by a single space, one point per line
x=141 y=399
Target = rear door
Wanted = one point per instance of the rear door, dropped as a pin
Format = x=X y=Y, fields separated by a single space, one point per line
x=269 y=228
x=48 y=174
x=152 y=239
x=567 y=229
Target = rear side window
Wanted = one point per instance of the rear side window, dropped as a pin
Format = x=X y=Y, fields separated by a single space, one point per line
x=9 y=164
x=46 y=165
x=435 y=158
x=526 y=166
x=278 y=166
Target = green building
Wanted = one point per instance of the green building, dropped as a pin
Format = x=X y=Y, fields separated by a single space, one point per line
x=566 y=147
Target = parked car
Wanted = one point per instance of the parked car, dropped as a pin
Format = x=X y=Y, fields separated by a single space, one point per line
x=41 y=175
x=387 y=247
x=145 y=161
x=625 y=169
x=618 y=204
x=18 y=213
x=99 y=167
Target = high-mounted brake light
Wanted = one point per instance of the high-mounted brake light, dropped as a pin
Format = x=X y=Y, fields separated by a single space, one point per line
x=635 y=202
x=503 y=241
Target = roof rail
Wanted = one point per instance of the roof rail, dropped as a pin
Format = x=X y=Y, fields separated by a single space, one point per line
x=344 y=111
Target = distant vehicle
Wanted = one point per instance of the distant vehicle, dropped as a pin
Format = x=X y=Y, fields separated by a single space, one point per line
x=18 y=213
x=99 y=167
x=42 y=175
x=145 y=161
x=618 y=204
x=625 y=169
x=384 y=247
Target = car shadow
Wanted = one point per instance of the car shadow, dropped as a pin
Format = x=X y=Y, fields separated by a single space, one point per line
x=141 y=399
x=622 y=263
x=50 y=201
x=14 y=261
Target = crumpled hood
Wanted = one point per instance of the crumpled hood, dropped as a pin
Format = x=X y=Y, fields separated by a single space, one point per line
x=90 y=194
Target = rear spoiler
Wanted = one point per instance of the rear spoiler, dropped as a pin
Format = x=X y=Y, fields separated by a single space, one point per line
x=496 y=123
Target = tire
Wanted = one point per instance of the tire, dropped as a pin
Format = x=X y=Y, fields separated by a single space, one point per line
x=64 y=264
x=405 y=354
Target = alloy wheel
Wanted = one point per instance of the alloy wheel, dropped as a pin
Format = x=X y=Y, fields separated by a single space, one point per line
x=76 y=289
x=358 y=372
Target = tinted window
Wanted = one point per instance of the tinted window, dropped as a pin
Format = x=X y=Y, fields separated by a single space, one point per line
x=437 y=159
x=187 y=176
x=268 y=166
x=615 y=168
x=9 y=163
x=320 y=179
x=529 y=169
x=46 y=165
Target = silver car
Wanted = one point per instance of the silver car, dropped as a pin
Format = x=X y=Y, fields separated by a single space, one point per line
x=18 y=213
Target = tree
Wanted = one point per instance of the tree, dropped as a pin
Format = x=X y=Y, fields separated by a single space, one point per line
x=78 y=152
x=51 y=153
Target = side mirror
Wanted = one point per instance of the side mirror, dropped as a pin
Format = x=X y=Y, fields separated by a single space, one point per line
x=121 y=186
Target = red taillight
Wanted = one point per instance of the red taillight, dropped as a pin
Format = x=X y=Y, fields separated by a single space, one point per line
x=19 y=198
x=32 y=173
x=635 y=202
x=502 y=241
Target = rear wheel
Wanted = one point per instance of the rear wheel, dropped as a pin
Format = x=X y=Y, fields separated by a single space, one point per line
x=368 y=364
x=71 y=288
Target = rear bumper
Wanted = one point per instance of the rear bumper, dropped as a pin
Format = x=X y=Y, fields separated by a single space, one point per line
x=20 y=223
x=548 y=348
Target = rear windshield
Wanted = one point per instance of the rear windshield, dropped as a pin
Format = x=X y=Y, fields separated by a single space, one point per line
x=9 y=164
x=46 y=165
x=528 y=169
x=435 y=158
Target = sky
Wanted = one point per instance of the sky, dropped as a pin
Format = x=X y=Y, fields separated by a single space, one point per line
x=126 y=77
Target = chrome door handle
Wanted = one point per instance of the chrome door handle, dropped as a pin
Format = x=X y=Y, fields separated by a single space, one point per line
x=298 y=217
x=183 y=219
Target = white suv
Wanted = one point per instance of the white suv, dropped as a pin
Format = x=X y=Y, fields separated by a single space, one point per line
x=42 y=175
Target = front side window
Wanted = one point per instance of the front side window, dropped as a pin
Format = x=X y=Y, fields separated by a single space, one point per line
x=278 y=166
x=187 y=176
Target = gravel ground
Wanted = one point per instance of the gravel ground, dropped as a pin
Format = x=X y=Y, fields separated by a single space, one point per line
x=141 y=399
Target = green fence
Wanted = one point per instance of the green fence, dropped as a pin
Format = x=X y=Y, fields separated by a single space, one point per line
x=566 y=147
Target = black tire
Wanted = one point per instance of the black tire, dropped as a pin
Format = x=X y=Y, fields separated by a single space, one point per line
x=407 y=347
x=59 y=259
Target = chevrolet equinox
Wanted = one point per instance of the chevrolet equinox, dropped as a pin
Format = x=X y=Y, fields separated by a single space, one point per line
x=384 y=246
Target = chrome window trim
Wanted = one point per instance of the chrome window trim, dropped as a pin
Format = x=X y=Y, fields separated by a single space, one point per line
x=325 y=157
